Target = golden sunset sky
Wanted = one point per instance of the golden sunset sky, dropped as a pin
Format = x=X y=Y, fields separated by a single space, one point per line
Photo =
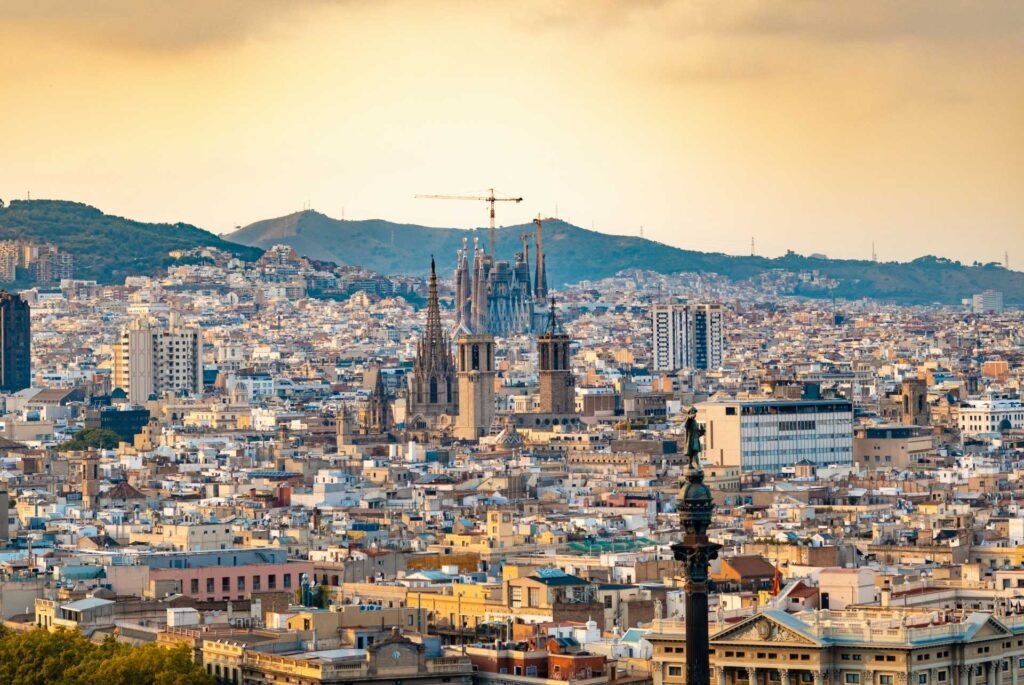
x=812 y=126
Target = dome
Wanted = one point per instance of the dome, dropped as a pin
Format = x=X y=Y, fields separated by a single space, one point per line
x=509 y=437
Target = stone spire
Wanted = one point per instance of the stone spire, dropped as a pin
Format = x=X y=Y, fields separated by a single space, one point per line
x=540 y=282
x=432 y=387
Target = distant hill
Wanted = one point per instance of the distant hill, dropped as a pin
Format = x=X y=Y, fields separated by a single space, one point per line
x=106 y=248
x=576 y=254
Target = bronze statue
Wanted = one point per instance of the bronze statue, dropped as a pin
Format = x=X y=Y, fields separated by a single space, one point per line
x=693 y=436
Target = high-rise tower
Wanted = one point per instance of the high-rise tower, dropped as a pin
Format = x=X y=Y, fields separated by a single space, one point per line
x=476 y=386
x=557 y=386
x=16 y=343
x=432 y=386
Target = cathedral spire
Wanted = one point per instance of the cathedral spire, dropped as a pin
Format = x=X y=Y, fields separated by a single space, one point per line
x=433 y=335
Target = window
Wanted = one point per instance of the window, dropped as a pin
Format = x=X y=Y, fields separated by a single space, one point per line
x=922 y=678
x=241 y=582
x=225 y=584
x=209 y=584
x=672 y=670
x=255 y=583
x=941 y=676
x=194 y=589
x=885 y=680
x=287 y=580
x=852 y=678
x=806 y=676
x=272 y=581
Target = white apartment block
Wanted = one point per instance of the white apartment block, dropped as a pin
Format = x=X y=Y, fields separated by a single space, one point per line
x=687 y=336
x=980 y=415
x=768 y=435
x=152 y=359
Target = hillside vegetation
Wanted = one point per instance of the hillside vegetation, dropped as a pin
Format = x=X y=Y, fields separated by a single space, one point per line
x=576 y=254
x=106 y=248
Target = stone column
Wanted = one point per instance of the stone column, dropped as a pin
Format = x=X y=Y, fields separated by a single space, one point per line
x=784 y=676
x=819 y=678
x=751 y=675
x=696 y=505
x=720 y=673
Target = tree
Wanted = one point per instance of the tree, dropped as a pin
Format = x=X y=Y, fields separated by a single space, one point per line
x=68 y=658
x=91 y=438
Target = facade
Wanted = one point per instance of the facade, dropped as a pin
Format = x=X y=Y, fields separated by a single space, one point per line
x=153 y=359
x=433 y=386
x=853 y=647
x=476 y=386
x=687 y=336
x=768 y=435
x=393 y=660
x=895 y=446
x=16 y=343
x=991 y=414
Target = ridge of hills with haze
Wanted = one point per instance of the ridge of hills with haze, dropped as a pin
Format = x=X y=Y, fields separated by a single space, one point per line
x=575 y=254
x=107 y=248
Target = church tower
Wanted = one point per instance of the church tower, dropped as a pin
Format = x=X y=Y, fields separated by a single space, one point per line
x=378 y=409
x=476 y=386
x=344 y=430
x=557 y=385
x=432 y=387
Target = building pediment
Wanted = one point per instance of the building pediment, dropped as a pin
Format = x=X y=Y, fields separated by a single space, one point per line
x=764 y=628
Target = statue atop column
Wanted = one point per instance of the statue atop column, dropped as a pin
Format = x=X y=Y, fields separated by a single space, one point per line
x=694 y=432
x=696 y=551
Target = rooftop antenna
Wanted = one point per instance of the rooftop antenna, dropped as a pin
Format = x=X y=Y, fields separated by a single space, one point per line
x=874 y=255
x=752 y=252
x=1006 y=259
x=641 y=230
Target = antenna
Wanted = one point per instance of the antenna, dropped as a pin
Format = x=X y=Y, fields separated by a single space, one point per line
x=1006 y=259
x=874 y=255
x=641 y=230
x=752 y=252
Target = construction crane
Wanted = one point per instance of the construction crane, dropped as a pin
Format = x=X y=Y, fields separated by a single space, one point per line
x=490 y=198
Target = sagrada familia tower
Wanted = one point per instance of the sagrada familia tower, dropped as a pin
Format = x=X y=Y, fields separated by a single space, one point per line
x=497 y=297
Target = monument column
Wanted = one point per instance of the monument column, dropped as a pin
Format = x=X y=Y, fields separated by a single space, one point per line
x=696 y=552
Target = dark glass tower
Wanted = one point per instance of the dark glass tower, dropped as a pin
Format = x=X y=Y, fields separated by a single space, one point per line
x=16 y=343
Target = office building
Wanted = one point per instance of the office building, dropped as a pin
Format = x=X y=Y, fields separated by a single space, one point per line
x=988 y=302
x=768 y=435
x=16 y=341
x=991 y=414
x=687 y=336
x=153 y=359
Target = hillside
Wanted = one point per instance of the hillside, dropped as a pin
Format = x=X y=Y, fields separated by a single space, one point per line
x=576 y=253
x=106 y=248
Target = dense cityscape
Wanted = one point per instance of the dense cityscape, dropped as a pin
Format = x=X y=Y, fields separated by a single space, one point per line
x=532 y=342
x=475 y=477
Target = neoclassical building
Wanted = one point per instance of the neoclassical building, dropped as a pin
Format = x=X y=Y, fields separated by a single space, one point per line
x=873 y=646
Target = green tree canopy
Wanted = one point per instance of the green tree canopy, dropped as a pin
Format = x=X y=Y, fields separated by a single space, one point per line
x=91 y=438
x=68 y=658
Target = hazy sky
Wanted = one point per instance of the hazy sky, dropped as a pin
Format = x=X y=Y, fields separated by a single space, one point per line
x=813 y=126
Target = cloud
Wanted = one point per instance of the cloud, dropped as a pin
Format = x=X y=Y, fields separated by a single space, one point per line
x=150 y=25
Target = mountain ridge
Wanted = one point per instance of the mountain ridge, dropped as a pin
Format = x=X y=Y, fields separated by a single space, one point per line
x=574 y=253
x=106 y=247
